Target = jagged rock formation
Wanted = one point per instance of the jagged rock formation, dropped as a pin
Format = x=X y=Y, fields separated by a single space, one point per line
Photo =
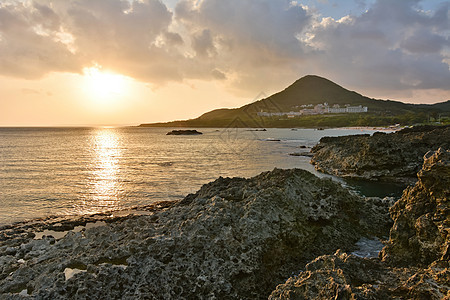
x=394 y=157
x=413 y=265
x=233 y=239
x=342 y=276
x=421 y=230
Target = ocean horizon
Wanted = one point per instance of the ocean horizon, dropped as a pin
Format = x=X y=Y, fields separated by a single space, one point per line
x=85 y=170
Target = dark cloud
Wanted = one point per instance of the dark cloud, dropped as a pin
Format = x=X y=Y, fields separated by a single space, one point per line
x=254 y=41
x=394 y=45
x=173 y=39
x=424 y=41
x=202 y=43
x=46 y=17
x=218 y=75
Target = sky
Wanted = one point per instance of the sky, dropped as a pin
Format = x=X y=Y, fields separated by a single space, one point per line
x=126 y=62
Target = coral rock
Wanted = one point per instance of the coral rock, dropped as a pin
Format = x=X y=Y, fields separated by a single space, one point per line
x=394 y=157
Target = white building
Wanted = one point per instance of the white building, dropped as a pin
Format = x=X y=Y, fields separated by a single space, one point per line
x=317 y=110
x=356 y=109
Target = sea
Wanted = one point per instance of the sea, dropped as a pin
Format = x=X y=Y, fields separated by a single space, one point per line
x=75 y=171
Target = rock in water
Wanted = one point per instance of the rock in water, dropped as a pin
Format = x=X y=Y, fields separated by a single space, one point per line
x=234 y=239
x=184 y=132
x=415 y=262
x=392 y=157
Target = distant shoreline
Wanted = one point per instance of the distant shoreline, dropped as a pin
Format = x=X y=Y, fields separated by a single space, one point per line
x=159 y=125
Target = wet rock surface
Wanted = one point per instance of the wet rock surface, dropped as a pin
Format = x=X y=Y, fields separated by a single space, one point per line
x=392 y=157
x=413 y=265
x=234 y=239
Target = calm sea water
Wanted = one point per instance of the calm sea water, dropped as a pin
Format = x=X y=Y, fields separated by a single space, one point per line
x=67 y=171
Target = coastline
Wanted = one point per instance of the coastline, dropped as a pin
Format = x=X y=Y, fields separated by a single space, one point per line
x=97 y=169
x=215 y=131
x=241 y=238
x=218 y=212
x=338 y=176
x=249 y=234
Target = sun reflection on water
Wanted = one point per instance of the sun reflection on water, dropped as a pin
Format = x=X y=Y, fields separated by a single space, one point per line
x=104 y=188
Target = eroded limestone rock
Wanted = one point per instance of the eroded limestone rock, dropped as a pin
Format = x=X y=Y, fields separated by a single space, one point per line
x=415 y=262
x=234 y=239
x=421 y=230
x=346 y=277
x=395 y=157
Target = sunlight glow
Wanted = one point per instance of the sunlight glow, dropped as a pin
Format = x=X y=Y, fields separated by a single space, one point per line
x=104 y=86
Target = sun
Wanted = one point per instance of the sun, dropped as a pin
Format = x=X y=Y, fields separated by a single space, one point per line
x=104 y=86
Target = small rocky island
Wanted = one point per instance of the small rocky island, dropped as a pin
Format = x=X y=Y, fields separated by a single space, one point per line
x=184 y=132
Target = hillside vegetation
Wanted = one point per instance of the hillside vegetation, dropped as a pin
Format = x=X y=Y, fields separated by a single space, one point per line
x=313 y=90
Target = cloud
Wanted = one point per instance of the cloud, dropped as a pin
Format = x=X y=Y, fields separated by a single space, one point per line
x=27 y=47
x=173 y=39
x=67 y=36
x=394 y=45
x=203 y=45
x=131 y=38
x=254 y=42
x=251 y=46
x=423 y=42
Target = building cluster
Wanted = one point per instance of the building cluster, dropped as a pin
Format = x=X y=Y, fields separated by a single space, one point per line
x=319 y=109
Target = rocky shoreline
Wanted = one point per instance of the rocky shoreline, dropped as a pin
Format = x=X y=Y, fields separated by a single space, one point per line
x=235 y=238
x=414 y=264
x=284 y=234
x=394 y=157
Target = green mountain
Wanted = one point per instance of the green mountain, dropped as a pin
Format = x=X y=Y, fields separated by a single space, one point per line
x=307 y=92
